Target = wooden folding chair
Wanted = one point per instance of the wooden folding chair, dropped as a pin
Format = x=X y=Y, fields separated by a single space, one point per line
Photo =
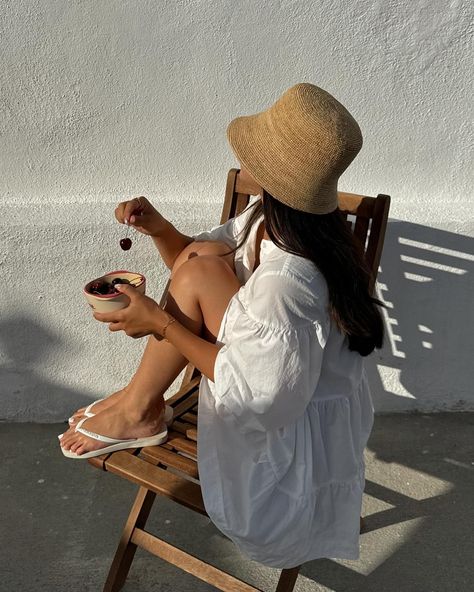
x=171 y=469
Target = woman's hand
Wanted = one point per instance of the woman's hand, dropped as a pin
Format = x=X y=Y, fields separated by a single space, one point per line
x=139 y=213
x=143 y=316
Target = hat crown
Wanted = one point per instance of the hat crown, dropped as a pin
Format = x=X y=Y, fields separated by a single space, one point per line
x=301 y=146
x=315 y=115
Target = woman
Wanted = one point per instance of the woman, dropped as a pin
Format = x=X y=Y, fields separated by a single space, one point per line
x=278 y=326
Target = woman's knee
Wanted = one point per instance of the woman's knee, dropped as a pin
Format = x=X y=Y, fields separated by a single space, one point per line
x=201 y=249
x=208 y=282
x=202 y=271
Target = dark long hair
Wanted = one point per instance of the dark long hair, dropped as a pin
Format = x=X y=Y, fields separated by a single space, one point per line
x=327 y=241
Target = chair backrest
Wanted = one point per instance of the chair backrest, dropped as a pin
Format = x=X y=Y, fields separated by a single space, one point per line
x=366 y=216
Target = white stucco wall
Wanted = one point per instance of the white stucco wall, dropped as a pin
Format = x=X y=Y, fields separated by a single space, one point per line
x=105 y=100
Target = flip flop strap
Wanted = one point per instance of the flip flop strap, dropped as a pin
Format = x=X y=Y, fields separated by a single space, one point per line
x=89 y=407
x=99 y=437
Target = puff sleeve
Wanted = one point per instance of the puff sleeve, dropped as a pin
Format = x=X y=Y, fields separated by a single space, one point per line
x=224 y=232
x=266 y=375
x=228 y=232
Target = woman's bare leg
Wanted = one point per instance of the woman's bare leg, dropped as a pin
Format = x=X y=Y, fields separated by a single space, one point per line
x=149 y=366
x=199 y=293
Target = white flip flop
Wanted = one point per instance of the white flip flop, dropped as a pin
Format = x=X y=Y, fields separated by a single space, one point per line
x=88 y=413
x=114 y=444
x=88 y=410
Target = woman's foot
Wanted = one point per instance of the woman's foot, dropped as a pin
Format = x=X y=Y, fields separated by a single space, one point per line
x=98 y=407
x=116 y=421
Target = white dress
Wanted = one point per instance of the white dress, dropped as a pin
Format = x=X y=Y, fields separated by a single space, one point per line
x=283 y=427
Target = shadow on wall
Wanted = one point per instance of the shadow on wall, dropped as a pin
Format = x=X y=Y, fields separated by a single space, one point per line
x=26 y=348
x=426 y=280
x=425 y=365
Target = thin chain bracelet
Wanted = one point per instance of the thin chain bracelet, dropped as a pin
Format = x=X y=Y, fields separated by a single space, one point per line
x=163 y=333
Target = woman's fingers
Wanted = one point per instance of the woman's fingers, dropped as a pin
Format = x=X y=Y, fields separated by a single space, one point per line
x=119 y=212
x=136 y=206
x=108 y=317
x=140 y=221
x=140 y=213
x=126 y=209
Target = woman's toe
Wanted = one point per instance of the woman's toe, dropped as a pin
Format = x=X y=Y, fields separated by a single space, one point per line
x=75 y=445
x=67 y=440
x=80 y=450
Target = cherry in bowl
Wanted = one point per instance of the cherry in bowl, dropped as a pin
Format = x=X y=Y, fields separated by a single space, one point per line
x=102 y=296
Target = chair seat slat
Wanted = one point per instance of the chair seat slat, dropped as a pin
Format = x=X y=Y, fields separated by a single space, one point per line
x=192 y=434
x=182 y=427
x=186 y=404
x=177 y=442
x=190 y=417
x=183 y=392
x=156 y=479
x=170 y=458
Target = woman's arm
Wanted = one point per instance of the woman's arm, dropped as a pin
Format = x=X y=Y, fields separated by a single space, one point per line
x=144 y=217
x=143 y=316
x=170 y=242
x=200 y=352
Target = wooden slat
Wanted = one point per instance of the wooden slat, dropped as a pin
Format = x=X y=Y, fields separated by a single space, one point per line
x=99 y=461
x=186 y=404
x=228 y=209
x=377 y=236
x=183 y=392
x=361 y=228
x=182 y=427
x=192 y=434
x=190 y=373
x=287 y=580
x=246 y=187
x=190 y=417
x=189 y=563
x=169 y=458
x=126 y=549
x=181 y=444
x=156 y=479
x=358 y=205
x=241 y=202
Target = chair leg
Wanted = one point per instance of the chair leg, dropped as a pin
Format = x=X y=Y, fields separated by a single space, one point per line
x=287 y=580
x=126 y=549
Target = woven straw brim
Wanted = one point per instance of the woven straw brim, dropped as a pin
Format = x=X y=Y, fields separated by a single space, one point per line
x=281 y=168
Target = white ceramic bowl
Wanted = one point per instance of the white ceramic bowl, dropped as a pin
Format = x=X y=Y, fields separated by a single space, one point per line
x=111 y=302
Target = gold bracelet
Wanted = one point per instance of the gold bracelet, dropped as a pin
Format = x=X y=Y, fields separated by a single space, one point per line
x=163 y=333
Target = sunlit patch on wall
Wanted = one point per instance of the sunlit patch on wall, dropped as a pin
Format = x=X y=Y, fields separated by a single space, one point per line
x=432 y=265
x=435 y=249
x=390 y=322
x=414 y=277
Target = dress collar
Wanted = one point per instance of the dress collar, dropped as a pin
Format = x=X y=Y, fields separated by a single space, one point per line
x=267 y=246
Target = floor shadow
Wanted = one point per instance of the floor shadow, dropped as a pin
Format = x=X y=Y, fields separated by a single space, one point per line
x=25 y=348
x=426 y=365
x=424 y=494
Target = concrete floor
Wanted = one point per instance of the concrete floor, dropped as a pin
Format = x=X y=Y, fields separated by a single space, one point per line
x=61 y=519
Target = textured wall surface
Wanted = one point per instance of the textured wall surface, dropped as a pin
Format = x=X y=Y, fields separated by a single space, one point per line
x=101 y=101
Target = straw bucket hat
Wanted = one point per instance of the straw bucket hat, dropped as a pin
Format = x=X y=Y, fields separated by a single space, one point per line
x=299 y=147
